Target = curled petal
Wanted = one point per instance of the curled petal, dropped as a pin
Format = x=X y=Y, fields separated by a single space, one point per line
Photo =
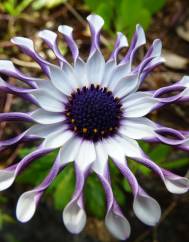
x=27 y=47
x=117 y=224
x=137 y=41
x=8 y=68
x=120 y=43
x=26 y=206
x=74 y=215
x=95 y=24
x=8 y=175
x=51 y=39
x=174 y=184
x=115 y=221
x=21 y=92
x=15 y=117
x=145 y=207
x=28 y=201
x=67 y=32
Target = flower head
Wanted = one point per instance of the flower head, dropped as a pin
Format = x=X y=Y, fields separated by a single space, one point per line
x=93 y=111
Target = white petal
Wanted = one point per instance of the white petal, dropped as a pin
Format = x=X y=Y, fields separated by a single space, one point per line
x=57 y=139
x=138 y=105
x=137 y=128
x=26 y=206
x=86 y=155
x=114 y=149
x=47 y=102
x=126 y=85
x=95 y=68
x=59 y=81
x=95 y=24
x=44 y=117
x=129 y=146
x=184 y=81
x=101 y=161
x=6 y=179
x=118 y=226
x=109 y=68
x=48 y=36
x=50 y=89
x=42 y=130
x=67 y=32
x=69 y=151
x=177 y=185
x=147 y=209
x=119 y=72
x=74 y=218
x=80 y=72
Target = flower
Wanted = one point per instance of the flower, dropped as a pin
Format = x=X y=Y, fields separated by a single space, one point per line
x=93 y=111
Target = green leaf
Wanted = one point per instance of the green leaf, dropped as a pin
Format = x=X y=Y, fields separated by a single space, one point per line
x=153 y=5
x=160 y=153
x=176 y=164
x=63 y=187
x=95 y=197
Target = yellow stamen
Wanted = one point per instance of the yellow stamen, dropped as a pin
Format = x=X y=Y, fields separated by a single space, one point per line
x=85 y=130
x=95 y=130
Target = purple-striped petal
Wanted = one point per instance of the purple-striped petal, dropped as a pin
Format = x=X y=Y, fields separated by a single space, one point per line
x=8 y=175
x=27 y=46
x=115 y=221
x=145 y=207
x=137 y=41
x=29 y=200
x=50 y=39
x=67 y=32
x=95 y=24
x=120 y=43
x=74 y=215
x=15 y=117
x=21 y=92
x=8 y=68
x=174 y=183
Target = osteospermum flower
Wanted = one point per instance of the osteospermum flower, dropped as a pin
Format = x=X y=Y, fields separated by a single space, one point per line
x=93 y=111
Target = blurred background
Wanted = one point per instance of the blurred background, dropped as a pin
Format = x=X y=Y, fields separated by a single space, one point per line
x=164 y=19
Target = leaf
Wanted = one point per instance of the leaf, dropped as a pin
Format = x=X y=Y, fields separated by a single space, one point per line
x=63 y=187
x=160 y=153
x=176 y=164
x=153 y=5
x=95 y=197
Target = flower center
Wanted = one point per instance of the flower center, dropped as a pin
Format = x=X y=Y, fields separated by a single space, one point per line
x=93 y=113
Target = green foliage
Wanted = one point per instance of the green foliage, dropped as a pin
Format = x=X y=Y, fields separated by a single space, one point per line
x=15 y=7
x=123 y=15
